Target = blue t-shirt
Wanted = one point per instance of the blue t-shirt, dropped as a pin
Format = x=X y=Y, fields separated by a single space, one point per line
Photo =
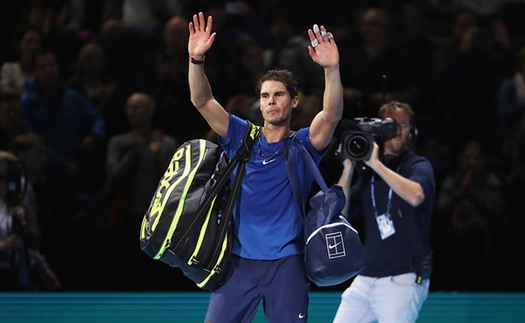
x=267 y=221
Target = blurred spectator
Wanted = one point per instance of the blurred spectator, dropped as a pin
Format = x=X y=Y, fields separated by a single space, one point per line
x=246 y=68
x=243 y=16
x=470 y=197
x=164 y=75
x=15 y=72
x=22 y=266
x=511 y=104
x=424 y=28
x=70 y=125
x=122 y=52
x=93 y=80
x=170 y=59
x=378 y=69
x=467 y=72
x=40 y=15
x=305 y=112
x=136 y=161
x=50 y=18
x=219 y=58
x=10 y=118
x=511 y=101
x=470 y=210
x=424 y=23
x=142 y=19
x=241 y=79
x=91 y=77
x=512 y=13
x=288 y=49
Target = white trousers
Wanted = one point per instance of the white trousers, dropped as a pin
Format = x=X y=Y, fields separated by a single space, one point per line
x=392 y=299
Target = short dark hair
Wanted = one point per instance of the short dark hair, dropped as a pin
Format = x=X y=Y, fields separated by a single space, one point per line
x=286 y=77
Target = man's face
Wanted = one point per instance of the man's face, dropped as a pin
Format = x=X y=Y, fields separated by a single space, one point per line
x=30 y=43
x=276 y=103
x=465 y=23
x=176 y=34
x=401 y=140
x=46 y=68
x=471 y=159
x=138 y=110
x=373 y=26
x=9 y=114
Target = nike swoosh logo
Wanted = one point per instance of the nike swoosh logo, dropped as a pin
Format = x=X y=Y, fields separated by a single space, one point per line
x=333 y=246
x=301 y=315
x=266 y=162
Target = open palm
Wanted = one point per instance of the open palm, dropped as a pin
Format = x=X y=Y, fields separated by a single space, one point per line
x=201 y=37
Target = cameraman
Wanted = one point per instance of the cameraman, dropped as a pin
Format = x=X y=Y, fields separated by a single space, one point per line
x=395 y=193
x=22 y=266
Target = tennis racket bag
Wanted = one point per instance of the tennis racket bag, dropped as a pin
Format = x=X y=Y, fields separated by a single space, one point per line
x=187 y=225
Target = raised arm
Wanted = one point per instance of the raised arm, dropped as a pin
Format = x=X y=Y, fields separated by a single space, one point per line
x=409 y=190
x=325 y=53
x=200 y=41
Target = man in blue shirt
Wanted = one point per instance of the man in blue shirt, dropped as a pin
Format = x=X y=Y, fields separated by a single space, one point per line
x=267 y=261
x=59 y=113
x=71 y=127
x=396 y=195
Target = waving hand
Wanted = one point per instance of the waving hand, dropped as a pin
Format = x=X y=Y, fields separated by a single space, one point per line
x=323 y=49
x=201 y=37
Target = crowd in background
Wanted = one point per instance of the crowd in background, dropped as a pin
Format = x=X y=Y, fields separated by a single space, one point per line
x=104 y=86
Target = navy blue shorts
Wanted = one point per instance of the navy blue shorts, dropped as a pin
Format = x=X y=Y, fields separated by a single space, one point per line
x=281 y=284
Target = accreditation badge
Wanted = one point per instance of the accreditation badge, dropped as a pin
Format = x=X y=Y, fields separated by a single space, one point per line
x=386 y=225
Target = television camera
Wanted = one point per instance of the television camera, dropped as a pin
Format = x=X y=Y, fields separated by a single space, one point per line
x=359 y=135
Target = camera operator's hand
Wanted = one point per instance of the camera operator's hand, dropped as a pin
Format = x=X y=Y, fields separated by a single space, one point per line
x=348 y=166
x=374 y=157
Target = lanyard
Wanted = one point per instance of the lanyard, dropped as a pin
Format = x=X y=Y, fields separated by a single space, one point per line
x=388 y=203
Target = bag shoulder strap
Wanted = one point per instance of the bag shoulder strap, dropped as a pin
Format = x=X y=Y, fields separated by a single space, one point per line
x=241 y=157
x=252 y=134
x=291 y=169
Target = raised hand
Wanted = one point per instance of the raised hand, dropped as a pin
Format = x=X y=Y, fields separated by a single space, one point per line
x=323 y=49
x=201 y=37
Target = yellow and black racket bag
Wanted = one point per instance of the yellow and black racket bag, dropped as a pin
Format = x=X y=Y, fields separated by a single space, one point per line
x=188 y=222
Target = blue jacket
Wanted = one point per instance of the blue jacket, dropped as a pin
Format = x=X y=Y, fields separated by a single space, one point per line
x=63 y=121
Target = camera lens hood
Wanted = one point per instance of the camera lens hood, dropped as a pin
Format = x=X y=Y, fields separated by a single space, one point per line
x=357 y=145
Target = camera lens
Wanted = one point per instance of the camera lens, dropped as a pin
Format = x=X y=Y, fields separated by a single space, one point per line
x=358 y=146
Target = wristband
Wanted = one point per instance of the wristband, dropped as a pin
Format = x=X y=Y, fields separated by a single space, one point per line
x=197 y=61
